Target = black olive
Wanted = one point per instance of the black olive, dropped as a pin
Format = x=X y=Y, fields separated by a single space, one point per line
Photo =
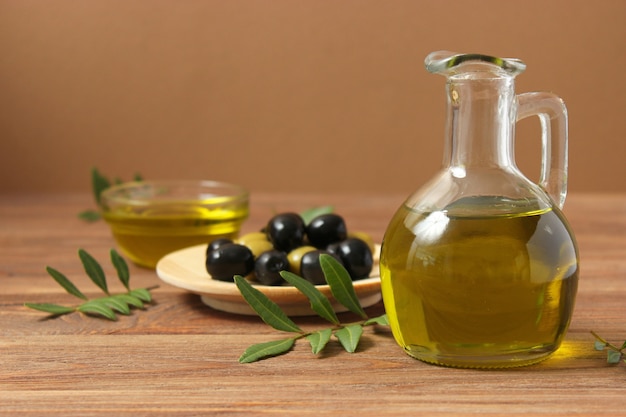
x=217 y=243
x=310 y=268
x=326 y=229
x=286 y=231
x=229 y=260
x=356 y=256
x=268 y=265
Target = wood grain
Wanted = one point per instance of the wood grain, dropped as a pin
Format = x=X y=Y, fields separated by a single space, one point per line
x=179 y=357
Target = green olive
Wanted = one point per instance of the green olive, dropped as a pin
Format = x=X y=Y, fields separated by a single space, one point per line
x=259 y=246
x=257 y=242
x=295 y=257
x=251 y=237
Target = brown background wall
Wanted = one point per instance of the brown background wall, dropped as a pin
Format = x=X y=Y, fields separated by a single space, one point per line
x=279 y=94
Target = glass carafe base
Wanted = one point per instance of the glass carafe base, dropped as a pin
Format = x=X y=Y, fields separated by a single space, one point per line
x=503 y=360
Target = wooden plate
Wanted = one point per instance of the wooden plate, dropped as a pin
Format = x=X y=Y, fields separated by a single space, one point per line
x=185 y=269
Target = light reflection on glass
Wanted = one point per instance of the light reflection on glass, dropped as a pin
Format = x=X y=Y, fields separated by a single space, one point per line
x=432 y=227
x=458 y=172
x=427 y=230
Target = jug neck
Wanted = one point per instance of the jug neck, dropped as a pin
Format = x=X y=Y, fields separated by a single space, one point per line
x=481 y=114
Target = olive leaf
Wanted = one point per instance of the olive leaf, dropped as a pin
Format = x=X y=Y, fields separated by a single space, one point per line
x=94 y=307
x=597 y=345
x=121 y=267
x=65 y=283
x=319 y=303
x=94 y=270
x=107 y=307
x=90 y=215
x=268 y=310
x=263 y=350
x=340 y=284
x=312 y=213
x=142 y=294
x=613 y=356
x=382 y=320
x=116 y=304
x=131 y=300
x=348 y=335
x=319 y=339
x=99 y=183
x=53 y=309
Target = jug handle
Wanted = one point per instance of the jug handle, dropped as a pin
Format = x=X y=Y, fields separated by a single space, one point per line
x=552 y=115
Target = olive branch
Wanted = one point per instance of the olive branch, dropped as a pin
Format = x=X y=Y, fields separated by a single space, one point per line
x=107 y=306
x=614 y=353
x=342 y=290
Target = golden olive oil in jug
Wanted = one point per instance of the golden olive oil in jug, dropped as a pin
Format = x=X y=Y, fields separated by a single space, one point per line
x=479 y=268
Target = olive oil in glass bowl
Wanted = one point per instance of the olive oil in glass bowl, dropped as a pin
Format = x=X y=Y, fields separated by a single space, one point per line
x=150 y=219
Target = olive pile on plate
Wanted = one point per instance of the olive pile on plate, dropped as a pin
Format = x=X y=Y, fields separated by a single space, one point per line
x=288 y=244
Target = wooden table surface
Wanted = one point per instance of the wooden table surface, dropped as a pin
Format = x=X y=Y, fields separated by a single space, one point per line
x=179 y=357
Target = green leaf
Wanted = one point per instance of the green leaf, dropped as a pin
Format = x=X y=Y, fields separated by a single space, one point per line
x=319 y=339
x=268 y=310
x=121 y=267
x=349 y=336
x=340 y=284
x=613 y=356
x=117 y=304
x=130 y=300
x=142 y=293
x=381 y=320
x=99 y=183
x=90 y=215
x=598 y=345
x=312 y=213
x=99 y=308
x=65 y=283
x=55 y=309
x=107 y=306
x=319 y=303
x=93 y=270
x=263 y=350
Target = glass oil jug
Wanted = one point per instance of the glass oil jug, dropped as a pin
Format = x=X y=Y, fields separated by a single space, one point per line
x=479 y=267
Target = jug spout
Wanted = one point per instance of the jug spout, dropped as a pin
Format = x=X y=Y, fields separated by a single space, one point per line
x=446 y=62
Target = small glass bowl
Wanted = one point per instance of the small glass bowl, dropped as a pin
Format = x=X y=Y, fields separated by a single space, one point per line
x=150 y=219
